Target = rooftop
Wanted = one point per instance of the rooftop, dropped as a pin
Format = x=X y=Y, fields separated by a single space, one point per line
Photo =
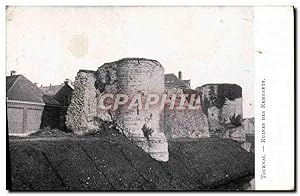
x=173 y=81
x=19 y=88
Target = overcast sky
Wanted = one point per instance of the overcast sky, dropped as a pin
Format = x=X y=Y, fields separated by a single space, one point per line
x=209 y=44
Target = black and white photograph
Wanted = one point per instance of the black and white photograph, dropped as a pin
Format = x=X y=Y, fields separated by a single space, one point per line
x=134 y=98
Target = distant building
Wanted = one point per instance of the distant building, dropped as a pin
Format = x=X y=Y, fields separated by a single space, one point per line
x=28 y=109
x=172 y=81
x=249 y=128
x=61 y=93
x=244 y=133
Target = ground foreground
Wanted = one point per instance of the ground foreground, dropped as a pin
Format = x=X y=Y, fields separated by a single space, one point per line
x=112 y=162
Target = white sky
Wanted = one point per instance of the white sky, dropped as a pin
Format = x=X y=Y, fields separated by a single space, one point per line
x=209 y=44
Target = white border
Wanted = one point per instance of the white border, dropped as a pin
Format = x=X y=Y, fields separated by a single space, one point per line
x=274 y=63
x=101 y=2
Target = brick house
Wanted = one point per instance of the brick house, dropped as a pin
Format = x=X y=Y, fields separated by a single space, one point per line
x=30 y=108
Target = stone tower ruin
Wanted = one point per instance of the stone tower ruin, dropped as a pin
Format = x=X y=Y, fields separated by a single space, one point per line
x=223 y=106
x=128 y=76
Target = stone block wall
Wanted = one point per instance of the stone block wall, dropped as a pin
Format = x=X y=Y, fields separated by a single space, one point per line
x=185 y=123
x=189 y=124
x=82 y=110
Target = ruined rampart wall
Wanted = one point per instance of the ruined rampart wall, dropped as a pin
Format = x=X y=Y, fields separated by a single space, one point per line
x=185 y=123
x=220 y=106
x=129 y=76
x=82 y=110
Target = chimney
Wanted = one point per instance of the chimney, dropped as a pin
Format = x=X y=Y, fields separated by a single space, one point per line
x=180 y=75
x=12 y=72
x=37 y=84
x=67 y=81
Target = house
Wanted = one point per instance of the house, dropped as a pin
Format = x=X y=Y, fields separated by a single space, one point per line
x=28 y=108
x=249 y=127
x=62 y=94
x=183 y=123
x=172 y=81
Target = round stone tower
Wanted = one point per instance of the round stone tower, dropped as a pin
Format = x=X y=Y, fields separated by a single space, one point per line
x=130 y=77
x=141 y=77
x=135 y=77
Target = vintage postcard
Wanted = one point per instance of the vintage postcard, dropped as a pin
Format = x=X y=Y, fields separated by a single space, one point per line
x=150 y=98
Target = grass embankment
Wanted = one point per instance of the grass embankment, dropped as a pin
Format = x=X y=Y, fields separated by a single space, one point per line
x=111 y=162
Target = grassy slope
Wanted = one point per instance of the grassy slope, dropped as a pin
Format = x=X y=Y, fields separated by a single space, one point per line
x=112 y=162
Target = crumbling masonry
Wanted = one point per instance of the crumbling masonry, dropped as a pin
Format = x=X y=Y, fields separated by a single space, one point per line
x=126 y=76
x=221 y=106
